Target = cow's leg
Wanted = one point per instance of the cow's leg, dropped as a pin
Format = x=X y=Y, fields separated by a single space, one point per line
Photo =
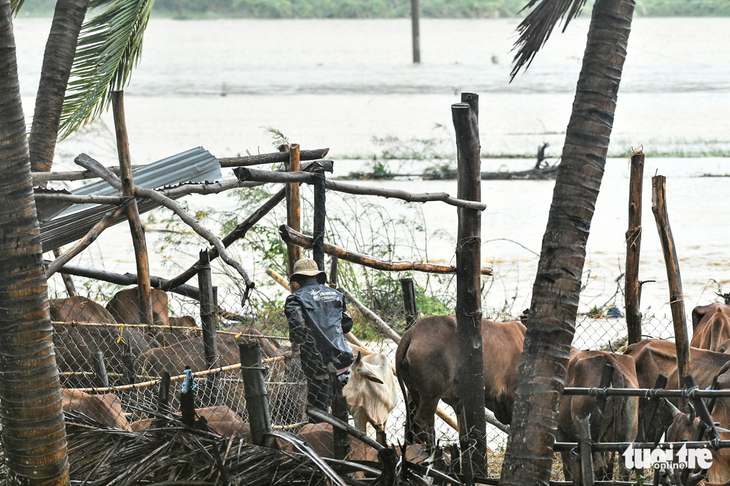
x=360 y=418
x=423 y=421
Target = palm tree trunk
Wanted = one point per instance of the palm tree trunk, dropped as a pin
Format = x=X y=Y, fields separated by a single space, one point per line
x=57 y=62
x=555 y=294
x=33 y=429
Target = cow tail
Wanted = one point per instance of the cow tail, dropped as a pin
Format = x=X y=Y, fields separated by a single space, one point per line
x=404 y=366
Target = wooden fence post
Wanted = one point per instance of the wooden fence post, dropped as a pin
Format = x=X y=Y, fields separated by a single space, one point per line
x=339 y=410
x=293 y=208
x=135 y=222
x=257 y=403
x=68 y=281
x=584 y=449
x=468 y=289
x=633 y=249
x=334 y=261
x=207 y=316
x=416 y=31
x=320 y=216
x=671 y=260
x=409 y=301
x=101 y=377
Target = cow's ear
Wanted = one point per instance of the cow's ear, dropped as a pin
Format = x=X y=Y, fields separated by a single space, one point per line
x=366 y=372
x=697 y=314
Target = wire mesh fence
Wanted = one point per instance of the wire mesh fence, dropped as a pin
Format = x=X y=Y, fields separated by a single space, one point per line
x=112 y=371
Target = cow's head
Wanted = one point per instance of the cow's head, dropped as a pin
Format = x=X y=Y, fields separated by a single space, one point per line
x=365 y=370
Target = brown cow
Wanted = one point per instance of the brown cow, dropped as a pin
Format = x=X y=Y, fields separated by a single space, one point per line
x=105 y=409
x=620 y=414
x=684 y=427
x=321 y=439
x=371 y=391
x=711 y=326
x=76 y=346
x=220 y=419
x=426 y=361
x=125 y=307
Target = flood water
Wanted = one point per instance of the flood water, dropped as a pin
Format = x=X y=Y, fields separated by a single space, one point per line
x=339 y=83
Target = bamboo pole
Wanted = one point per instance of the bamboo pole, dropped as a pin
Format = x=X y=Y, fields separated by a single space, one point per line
x=108 y=219
x=272 y=158
x=91 y=164
x=671 y=260
x=135 y=222
x=633 y=248
x=255 y=175
x=468 y=284
x=293 y=209
x=289 y=235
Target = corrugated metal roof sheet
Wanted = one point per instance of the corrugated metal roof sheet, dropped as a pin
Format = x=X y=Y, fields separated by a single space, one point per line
x=73 y=222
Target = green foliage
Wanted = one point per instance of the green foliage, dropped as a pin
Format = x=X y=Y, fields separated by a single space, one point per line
x=110 y=45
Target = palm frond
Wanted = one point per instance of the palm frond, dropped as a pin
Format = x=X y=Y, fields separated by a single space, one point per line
x=110 y=45
x=535 y=29
x=15 y=6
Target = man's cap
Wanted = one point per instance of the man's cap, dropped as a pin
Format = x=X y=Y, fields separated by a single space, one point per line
x=306 y=267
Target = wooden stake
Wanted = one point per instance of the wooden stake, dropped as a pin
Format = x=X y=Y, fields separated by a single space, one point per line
x=294 y=237
x=293 y=208
x=671 y=260
x=207 y=316
x=135 y=222
x=633 y=249
x=68 y=282
x=255 y=390
x=416 y=31
x=320 y=217
x=409 y=301
x=468 y=282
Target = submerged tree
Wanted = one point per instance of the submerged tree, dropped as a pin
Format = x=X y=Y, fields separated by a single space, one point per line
x=33 y=430
x=555 y=294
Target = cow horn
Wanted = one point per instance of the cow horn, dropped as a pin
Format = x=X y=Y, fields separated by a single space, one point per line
x=692 y=413
x=359 y=357
x=671 y=407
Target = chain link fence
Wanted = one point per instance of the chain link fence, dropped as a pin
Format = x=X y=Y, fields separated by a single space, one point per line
x=112 y=371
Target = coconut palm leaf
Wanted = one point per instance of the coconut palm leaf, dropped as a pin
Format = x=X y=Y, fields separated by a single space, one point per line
x=109 y=48
x=15 y=6
x=535 y=29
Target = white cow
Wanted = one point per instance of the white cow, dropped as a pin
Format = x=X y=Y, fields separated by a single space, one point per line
x=371 y=391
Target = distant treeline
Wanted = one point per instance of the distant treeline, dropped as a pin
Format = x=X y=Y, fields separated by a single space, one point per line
x=362 y=9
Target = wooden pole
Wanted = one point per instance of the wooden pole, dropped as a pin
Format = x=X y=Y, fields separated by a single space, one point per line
x=584 y=449
x=334 y=264
x=633 y=249
x=296 y=238
x=320 y=216
x=671 y=260
x=409 y=301
x=255 y=391
x=135 y=223
x=68 y=282
x=100 y=374
x=256 y=175
x=468 y=283
x=207 y=316
x=272 y=158
x=416 y=31
x=293 y=208
x=339 y=410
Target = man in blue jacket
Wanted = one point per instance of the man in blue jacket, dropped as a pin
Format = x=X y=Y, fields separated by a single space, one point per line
x=318 y=319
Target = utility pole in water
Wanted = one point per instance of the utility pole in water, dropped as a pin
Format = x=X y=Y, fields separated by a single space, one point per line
x=415 y=32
